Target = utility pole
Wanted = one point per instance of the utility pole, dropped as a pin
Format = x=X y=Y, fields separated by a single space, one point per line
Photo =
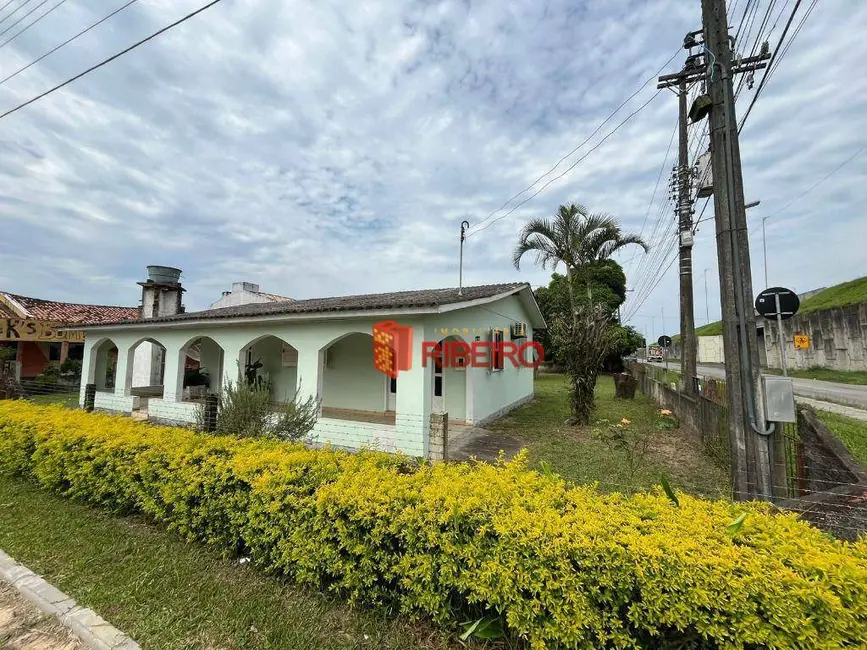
x=692 y=70
x=749 y=439
x=765 y=251
x=706 y=305
x=688 y=351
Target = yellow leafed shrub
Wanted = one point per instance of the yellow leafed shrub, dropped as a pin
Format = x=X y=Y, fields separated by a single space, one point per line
x=565 y=566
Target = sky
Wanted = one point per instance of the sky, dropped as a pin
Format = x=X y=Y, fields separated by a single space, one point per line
x=329 y=148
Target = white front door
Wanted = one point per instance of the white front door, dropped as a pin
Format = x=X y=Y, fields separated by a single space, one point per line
x=390 y=393
x=439 y=402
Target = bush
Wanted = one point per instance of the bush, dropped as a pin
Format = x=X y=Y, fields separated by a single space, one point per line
x=563 y=566
x=247 y=410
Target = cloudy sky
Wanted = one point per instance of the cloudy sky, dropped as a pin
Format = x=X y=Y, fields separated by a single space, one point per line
x=325 y=148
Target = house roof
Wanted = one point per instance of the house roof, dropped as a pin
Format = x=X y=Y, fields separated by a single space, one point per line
x=273 y=297
x=425 y=299
x=16 y=306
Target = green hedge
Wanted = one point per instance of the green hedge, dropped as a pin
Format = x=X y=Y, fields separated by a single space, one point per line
x=565 y=567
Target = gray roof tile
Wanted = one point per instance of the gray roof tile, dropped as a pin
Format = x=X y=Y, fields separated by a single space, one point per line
x=365 y=302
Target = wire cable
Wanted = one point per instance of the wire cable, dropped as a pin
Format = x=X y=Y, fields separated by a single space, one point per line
x=586 y=140
x=774 y=57
x=66 y=42
x=26 y=27
x=14 y=11
x=568 y=169
x=110 y=59
x=22 y=17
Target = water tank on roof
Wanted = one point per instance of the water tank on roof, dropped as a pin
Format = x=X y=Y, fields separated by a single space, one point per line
x=164 y=274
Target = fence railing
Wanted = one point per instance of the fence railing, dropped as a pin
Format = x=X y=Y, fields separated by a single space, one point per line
x=817 y=476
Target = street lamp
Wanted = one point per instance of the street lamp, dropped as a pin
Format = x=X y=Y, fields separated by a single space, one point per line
x=706 y=306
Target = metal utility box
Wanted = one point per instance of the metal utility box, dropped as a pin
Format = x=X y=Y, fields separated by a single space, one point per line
x=779 y=399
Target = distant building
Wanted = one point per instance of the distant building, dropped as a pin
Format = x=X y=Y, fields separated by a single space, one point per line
x=30 y=327
x=246 y=293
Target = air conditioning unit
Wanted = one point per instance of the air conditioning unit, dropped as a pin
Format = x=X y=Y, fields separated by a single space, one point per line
x=519 y=330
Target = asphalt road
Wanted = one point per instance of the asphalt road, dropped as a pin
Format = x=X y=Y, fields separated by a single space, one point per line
x=820 y=390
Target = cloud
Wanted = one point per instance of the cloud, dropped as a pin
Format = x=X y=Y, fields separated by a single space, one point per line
x=324 y=148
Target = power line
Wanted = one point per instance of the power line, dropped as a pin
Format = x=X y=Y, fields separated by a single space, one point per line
x=774 y=56
x=655 y=187
x=586 y=140
x=26 y=27
x=22 y=17
x=110 y=59
x=820 y=181
x=14 y=11
x=67 y=42
x=568 y=169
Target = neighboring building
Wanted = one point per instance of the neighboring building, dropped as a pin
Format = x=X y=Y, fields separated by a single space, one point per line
x=33 y=328
x=324 y=347
x=246 y=293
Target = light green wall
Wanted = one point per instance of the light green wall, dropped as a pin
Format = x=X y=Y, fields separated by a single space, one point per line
x=455 y=393
x=211 y=359
x=350 y=380
x=270 y=351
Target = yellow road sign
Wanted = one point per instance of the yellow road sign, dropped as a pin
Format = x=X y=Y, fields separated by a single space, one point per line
x=802 y=342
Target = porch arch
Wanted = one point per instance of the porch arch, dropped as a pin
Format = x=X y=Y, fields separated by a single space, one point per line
x=352 y=388
x=145 y=368
x=201 y=359
x=102 y=365
x=450 y=383
x=271 y=360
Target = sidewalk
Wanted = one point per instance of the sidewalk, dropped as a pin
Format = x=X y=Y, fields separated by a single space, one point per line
x=840 y=409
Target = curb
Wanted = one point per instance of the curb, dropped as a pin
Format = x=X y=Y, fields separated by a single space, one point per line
x=95 y=632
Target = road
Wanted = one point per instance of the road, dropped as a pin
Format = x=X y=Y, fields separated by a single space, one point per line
x=828 y=391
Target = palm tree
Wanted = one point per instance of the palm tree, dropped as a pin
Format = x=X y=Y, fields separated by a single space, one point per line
x=574 y=237
x=577 y=239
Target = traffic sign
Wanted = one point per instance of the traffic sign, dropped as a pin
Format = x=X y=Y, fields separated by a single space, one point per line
x=777 y=301
x=664 y=341
x=802 y=342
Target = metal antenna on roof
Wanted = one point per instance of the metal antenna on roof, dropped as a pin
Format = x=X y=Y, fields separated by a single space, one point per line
x=464 y=226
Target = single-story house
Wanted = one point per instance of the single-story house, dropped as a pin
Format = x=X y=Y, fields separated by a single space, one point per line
x=37 y=332
x=324 y=347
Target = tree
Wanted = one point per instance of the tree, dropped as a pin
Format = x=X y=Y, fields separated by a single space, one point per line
x=576 y=238
x=580 y=331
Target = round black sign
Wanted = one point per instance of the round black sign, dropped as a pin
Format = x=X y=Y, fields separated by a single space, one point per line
x=766 y=303
x=664 y=341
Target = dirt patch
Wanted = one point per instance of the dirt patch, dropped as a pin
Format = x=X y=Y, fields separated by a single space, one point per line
x=24 y=627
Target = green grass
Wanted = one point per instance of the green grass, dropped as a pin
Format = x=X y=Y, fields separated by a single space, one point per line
x=855 y=377
x=840 y=295
x=69 y=400
x=574 y=452
x=173 y=595
x=711 y=329
x=851 y=432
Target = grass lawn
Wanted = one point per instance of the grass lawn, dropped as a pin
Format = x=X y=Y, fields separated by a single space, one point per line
x=69 y=400
x=855 y=377
x=172 y=595
x=852 y=432
x=574 y=453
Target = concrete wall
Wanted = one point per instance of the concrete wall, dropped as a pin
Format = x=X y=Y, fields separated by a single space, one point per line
x=710 y=349
x=487 y=393
x=838 y=339
x=350 y=380
x=283 y=378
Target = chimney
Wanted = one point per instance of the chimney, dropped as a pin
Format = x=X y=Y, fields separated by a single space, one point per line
x=161 y=292
x=245 y=286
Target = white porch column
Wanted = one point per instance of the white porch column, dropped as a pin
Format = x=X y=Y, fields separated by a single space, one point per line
x=173 y=376
x=310 y=367
x=88 y=369
x=123 y=371
x=414 y=393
